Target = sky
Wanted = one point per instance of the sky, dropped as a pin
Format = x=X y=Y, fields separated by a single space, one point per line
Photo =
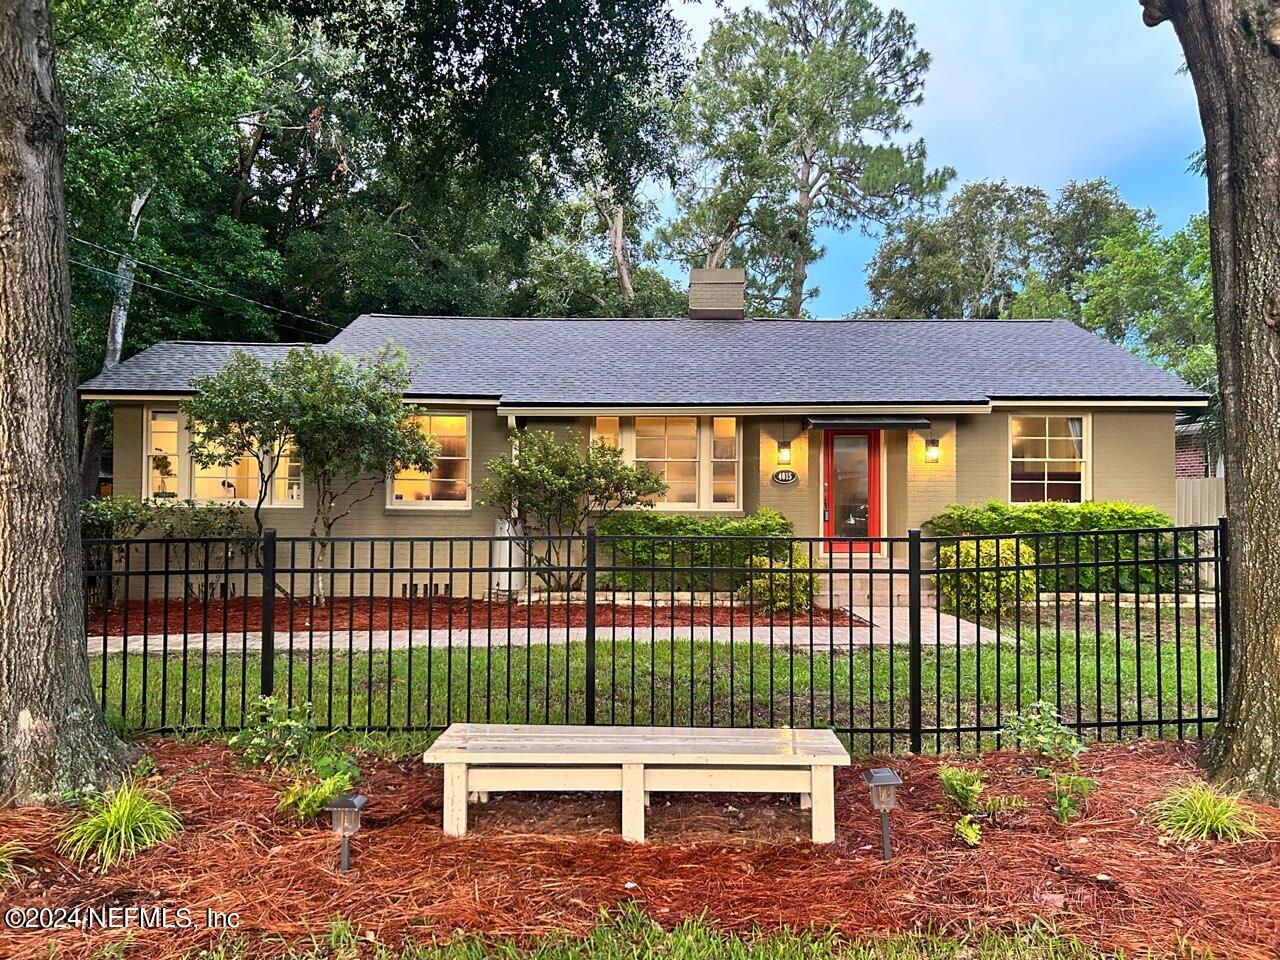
x=1036 y=93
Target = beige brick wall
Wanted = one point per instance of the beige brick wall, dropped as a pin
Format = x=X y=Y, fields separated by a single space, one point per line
x=800 y=501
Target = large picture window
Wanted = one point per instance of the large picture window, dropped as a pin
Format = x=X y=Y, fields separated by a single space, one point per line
x=1048 y=458
x=172 y=473
x=448 y=483
x=699 y=458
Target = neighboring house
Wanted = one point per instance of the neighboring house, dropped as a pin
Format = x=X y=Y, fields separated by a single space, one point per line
x=849 y=428
x=1191 y=453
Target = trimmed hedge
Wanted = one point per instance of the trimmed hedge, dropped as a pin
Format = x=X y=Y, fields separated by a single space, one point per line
x=1125 y=561
x=788 y=586
x=985 y=581
x=654 y=548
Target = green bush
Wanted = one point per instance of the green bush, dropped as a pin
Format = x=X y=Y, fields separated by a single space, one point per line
x=125 y=518
x=962 y=787
x=986 y=575
x=119 y=825
x=1201 y=811
x=11 y=855
x=305 y=798
x=648 y=544
x=782 y=586
x=1039 y=728
x=277 y=736
x=1123 y=560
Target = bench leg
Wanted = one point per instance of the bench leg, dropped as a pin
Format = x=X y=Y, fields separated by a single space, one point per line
x=478 y=796
x=455 y=799
x=633 y=802
x=806 y=801
x=823 y=798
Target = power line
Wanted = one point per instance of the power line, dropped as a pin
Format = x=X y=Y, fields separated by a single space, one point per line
x=182 y=296
x=207 y=286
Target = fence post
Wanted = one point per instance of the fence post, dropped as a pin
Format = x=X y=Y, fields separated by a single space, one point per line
x=1224 y=609
x=915 y=649
x=591 y=625
x=268 y=670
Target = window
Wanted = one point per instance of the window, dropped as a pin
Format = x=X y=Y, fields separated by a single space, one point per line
x=448 y=484
x=172 y=473
x=697 y=457
x=163 y=457
x=1047 y=457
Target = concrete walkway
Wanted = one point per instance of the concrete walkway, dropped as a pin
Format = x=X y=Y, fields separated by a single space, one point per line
x=887 y=625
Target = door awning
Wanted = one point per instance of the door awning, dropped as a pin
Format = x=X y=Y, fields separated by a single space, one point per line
x=868 y=423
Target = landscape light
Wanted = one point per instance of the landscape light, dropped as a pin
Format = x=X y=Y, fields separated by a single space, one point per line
x=345 y=811
x=883 y=784
x=784 y=452
x=932 y=452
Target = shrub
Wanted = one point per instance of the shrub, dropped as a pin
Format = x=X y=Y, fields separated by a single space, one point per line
x=306 y=797
x=1067 y=793
x=787 y=586
x=986 y=577
x=125 y=518
x=119 y=825
x=1109 y=563
x=278 y=734
x=1040 y=729
x=962 y=787
x=670 y=551
x=1201 y=811
x=968 y=831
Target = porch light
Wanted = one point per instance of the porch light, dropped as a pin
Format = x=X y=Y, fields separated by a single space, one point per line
x=345 y=811
x=784 y=453
x=932 y=451
x=883 y=784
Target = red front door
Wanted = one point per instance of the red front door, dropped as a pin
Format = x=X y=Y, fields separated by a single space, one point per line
x=851 y=488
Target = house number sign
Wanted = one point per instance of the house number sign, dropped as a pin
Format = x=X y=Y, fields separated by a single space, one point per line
x=785 y=476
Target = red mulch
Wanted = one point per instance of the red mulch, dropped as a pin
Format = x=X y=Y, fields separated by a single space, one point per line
x=381 y=613
x=533 y=865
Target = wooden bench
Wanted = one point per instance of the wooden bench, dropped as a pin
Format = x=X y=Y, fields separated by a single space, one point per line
x=480 y=758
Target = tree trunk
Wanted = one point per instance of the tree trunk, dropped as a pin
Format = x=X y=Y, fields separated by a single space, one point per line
x=54 y=736
x=800 y=263
x=1232 y=49
x=248 y=157
x=91 y=451
x=618 y=246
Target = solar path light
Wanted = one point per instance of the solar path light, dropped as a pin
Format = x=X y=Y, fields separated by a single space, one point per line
x=883 y=784
x=345 y=811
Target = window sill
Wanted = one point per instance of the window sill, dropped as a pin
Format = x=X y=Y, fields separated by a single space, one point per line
x=429 y=507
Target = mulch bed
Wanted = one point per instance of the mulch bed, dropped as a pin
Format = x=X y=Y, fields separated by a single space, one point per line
x=439 y=613
x=537 y=864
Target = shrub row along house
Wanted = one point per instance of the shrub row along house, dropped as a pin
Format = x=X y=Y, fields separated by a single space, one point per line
x=851 y=428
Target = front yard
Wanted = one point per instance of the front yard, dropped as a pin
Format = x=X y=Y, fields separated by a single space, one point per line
x=539 y=870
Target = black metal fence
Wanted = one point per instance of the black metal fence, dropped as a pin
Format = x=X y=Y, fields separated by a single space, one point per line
x=926 y=643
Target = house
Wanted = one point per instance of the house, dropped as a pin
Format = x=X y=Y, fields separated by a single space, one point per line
x=849 y=427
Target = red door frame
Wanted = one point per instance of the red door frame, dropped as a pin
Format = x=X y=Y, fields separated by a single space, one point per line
x=873 y=490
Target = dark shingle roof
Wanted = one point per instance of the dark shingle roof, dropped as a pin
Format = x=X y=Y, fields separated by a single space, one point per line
x=681 y=361
x=169 y=366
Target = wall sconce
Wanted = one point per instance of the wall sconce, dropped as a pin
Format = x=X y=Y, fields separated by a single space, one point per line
x=345 y=811
x=883 y=784
x=784 y=453
x=932 y=451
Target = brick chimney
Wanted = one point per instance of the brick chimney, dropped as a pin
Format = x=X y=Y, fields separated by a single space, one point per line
x=717 y=294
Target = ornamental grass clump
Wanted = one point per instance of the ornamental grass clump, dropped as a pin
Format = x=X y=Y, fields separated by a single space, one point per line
x=1201 y=811
x=119 y=825
x=10 y=853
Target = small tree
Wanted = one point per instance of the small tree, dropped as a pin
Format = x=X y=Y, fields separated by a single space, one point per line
x=554 y=488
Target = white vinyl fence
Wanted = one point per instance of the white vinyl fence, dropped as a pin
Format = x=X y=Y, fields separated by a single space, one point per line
x=1201 y=500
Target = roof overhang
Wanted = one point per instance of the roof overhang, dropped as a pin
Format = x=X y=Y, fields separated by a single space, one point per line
x=738 y=409
x=852 y=422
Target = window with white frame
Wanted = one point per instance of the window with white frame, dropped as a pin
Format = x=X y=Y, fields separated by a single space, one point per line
x=172 y=473
x=448 y=483
x=1048 y=458
x=699 y=458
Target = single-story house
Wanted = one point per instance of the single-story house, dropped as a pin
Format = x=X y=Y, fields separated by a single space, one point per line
x=856 y=427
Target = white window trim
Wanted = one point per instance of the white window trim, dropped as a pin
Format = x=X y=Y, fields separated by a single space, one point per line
x=1086 y=474
x=435 y=506
x=706 y=445
x=186 y=469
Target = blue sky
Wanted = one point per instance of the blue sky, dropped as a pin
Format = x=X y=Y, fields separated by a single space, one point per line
x=1038 y=93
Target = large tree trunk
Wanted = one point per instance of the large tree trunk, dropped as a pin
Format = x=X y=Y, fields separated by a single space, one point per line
x=1232 y=49
x=800 y=262
x=53 y=737
x=126 y=266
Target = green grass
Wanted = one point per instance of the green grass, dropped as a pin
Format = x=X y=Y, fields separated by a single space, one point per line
x=119 y=825
x=1089 y=680
x=1201 y=811
x=630 y=935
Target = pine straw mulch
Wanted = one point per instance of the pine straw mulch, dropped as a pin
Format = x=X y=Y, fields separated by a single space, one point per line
x=532 y=865
x=438 y=613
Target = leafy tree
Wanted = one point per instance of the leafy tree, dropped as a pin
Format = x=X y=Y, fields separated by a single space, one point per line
x=1231 y=53
x=554 y=487
x=795 y=121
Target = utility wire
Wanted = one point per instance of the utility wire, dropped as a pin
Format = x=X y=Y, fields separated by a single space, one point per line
x=183 y=296
x=206 y=286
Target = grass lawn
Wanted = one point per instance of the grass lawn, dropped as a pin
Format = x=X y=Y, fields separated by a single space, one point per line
x=969 y=692
x=631 y=934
